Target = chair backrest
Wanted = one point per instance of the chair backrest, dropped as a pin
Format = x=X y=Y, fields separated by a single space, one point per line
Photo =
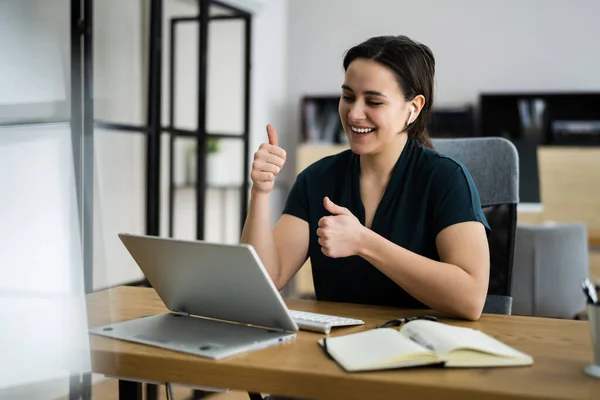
x=551 y=260
x=494 y=165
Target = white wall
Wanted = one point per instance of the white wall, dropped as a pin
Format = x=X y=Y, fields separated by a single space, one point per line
x=270 y=71
x=493 y=45
x=34 y=75
x=33 y=79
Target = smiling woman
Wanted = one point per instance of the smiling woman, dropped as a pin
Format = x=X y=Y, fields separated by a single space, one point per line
x=393 y=71
x=390 y=221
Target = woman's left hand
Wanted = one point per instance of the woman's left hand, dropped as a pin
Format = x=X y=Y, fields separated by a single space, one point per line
x=339 y=234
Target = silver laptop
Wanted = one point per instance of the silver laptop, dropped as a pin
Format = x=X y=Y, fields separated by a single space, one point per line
x=222 y=300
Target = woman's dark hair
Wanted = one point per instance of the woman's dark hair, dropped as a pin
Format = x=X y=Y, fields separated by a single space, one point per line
x=414 y=67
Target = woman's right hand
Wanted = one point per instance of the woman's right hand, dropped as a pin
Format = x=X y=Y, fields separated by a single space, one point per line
x=268 y=161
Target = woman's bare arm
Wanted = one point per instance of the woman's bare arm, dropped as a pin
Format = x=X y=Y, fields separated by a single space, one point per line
x=456 y=285
x=282 y=250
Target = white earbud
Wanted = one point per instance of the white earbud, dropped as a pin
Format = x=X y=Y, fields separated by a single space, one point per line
x=412 y=112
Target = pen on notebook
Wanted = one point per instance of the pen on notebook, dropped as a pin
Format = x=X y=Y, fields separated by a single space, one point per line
x=590 y=291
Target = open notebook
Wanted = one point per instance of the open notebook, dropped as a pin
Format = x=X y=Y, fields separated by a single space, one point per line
x=421 y=342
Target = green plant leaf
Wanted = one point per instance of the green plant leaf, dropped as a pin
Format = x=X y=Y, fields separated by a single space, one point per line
x=212 y=145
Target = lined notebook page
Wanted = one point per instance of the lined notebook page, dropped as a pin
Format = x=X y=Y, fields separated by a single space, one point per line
x=371 y=347
x=445 y=338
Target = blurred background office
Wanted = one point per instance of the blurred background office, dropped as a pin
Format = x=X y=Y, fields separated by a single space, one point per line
x=160 y=104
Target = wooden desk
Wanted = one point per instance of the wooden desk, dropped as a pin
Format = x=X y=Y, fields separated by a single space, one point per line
x=561 y=349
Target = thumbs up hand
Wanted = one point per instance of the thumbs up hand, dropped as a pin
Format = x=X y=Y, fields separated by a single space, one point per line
x=268 y=161
x=339 y=234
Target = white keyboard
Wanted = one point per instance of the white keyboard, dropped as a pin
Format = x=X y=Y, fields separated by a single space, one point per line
x=321 y=323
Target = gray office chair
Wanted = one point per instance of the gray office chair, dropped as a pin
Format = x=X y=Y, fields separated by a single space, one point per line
x=551 y=260
x=494 y=165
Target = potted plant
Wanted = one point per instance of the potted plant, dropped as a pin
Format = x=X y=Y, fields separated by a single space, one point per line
x=216 y=164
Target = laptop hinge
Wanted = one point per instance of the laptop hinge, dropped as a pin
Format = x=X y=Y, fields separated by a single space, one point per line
x=183 y=313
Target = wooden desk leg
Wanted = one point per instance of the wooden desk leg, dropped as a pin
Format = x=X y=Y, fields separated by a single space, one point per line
x=130 y=390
